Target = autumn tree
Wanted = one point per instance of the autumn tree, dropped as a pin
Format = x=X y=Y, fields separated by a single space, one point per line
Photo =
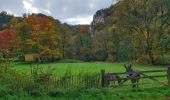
x=64 y=39
x=8 y=43
x=38 y=35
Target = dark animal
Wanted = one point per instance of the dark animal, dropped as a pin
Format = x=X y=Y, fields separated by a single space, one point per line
x=133 y=75
x=113 y=77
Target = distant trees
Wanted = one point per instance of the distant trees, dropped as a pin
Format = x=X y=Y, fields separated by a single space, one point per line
x=74 y=42
x=64 y=39
x=143 y=22
x=38 y=35
x=5 y=20
x=8 y=42
x=134 y=30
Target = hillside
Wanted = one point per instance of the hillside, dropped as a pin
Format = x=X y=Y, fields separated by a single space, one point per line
x=133 y=30
x=130 y=30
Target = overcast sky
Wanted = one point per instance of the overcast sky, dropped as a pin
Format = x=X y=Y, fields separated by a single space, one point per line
x=70 y=11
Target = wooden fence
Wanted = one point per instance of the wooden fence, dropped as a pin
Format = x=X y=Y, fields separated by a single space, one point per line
x=76 y=80
x=89 y=80
x=105 y=75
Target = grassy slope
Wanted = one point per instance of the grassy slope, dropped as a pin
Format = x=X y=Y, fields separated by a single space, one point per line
x=61 y=68
x=97 y=94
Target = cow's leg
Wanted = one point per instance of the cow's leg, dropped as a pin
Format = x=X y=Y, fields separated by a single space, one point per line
x=138 y=83
x=114 y=82
x=107 y=82
x=120 y=81
x=133 y=83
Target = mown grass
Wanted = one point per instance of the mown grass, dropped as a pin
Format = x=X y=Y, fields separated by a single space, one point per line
x=95 y=67
x=61 y=68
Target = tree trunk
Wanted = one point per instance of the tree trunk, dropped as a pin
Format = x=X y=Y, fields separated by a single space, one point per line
x=150 y=56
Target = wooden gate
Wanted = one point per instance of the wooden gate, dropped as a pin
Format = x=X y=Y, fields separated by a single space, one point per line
x=105 y=82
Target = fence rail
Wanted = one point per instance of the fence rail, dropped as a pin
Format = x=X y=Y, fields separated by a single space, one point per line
x=151 y=71
x=105 y=76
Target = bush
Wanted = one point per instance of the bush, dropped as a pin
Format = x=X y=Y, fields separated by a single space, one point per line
x=4 y=91
x=101 y=55
x=162 y=60
x=56 y=93
x=143 y=59
x=35 y=92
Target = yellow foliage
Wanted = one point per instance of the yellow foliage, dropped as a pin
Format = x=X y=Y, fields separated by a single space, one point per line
x=30 y=42
x=146 y=34
x=115 y=26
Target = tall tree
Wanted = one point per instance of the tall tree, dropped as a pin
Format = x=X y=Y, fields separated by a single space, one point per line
x=38 y=34
x=8 y=42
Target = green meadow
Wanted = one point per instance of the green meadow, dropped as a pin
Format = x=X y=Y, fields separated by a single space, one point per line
x=60 y=69
x=151 y=91
x=93 y=67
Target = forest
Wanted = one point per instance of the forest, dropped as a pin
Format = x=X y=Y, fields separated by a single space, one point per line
x=130 y=30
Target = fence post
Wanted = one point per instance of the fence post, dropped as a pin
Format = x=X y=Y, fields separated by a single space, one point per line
x=168 y=72
x=103 y=78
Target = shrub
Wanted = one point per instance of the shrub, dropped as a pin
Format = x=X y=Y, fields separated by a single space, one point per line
x=56 y=93
x=143 y=59
x=41 y=75
x=35 y=92
x=4 y=91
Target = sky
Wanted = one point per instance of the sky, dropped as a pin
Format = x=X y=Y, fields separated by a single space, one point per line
x=68 y=11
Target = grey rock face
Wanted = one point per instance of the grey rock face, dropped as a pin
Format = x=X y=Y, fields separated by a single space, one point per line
x=99 y=17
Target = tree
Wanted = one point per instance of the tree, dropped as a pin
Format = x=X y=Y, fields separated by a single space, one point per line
x=144 y=20
x=7 y=42
x=38 y=35
x=64 y=37
x=5 y=20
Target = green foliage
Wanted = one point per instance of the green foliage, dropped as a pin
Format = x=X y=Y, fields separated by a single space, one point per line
x=56 y=92
x=133 y=29
x=5 y=20
x=40 y=75
x=96 y=94
x=4 y=91
x=123 y=32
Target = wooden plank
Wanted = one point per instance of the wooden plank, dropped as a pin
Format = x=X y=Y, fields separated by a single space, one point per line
x=116 y=73
x=150 y=71
x=152 y=78
x=157 y=76
x=103 y=78
x=145 y=77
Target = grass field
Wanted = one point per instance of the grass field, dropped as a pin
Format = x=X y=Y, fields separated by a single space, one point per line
x=61 y=68
x=144 y=92
x=95 y=67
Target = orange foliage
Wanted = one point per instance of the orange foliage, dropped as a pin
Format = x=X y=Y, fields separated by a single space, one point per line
x=39 y=23
x=43 y=34
x=6 y=39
